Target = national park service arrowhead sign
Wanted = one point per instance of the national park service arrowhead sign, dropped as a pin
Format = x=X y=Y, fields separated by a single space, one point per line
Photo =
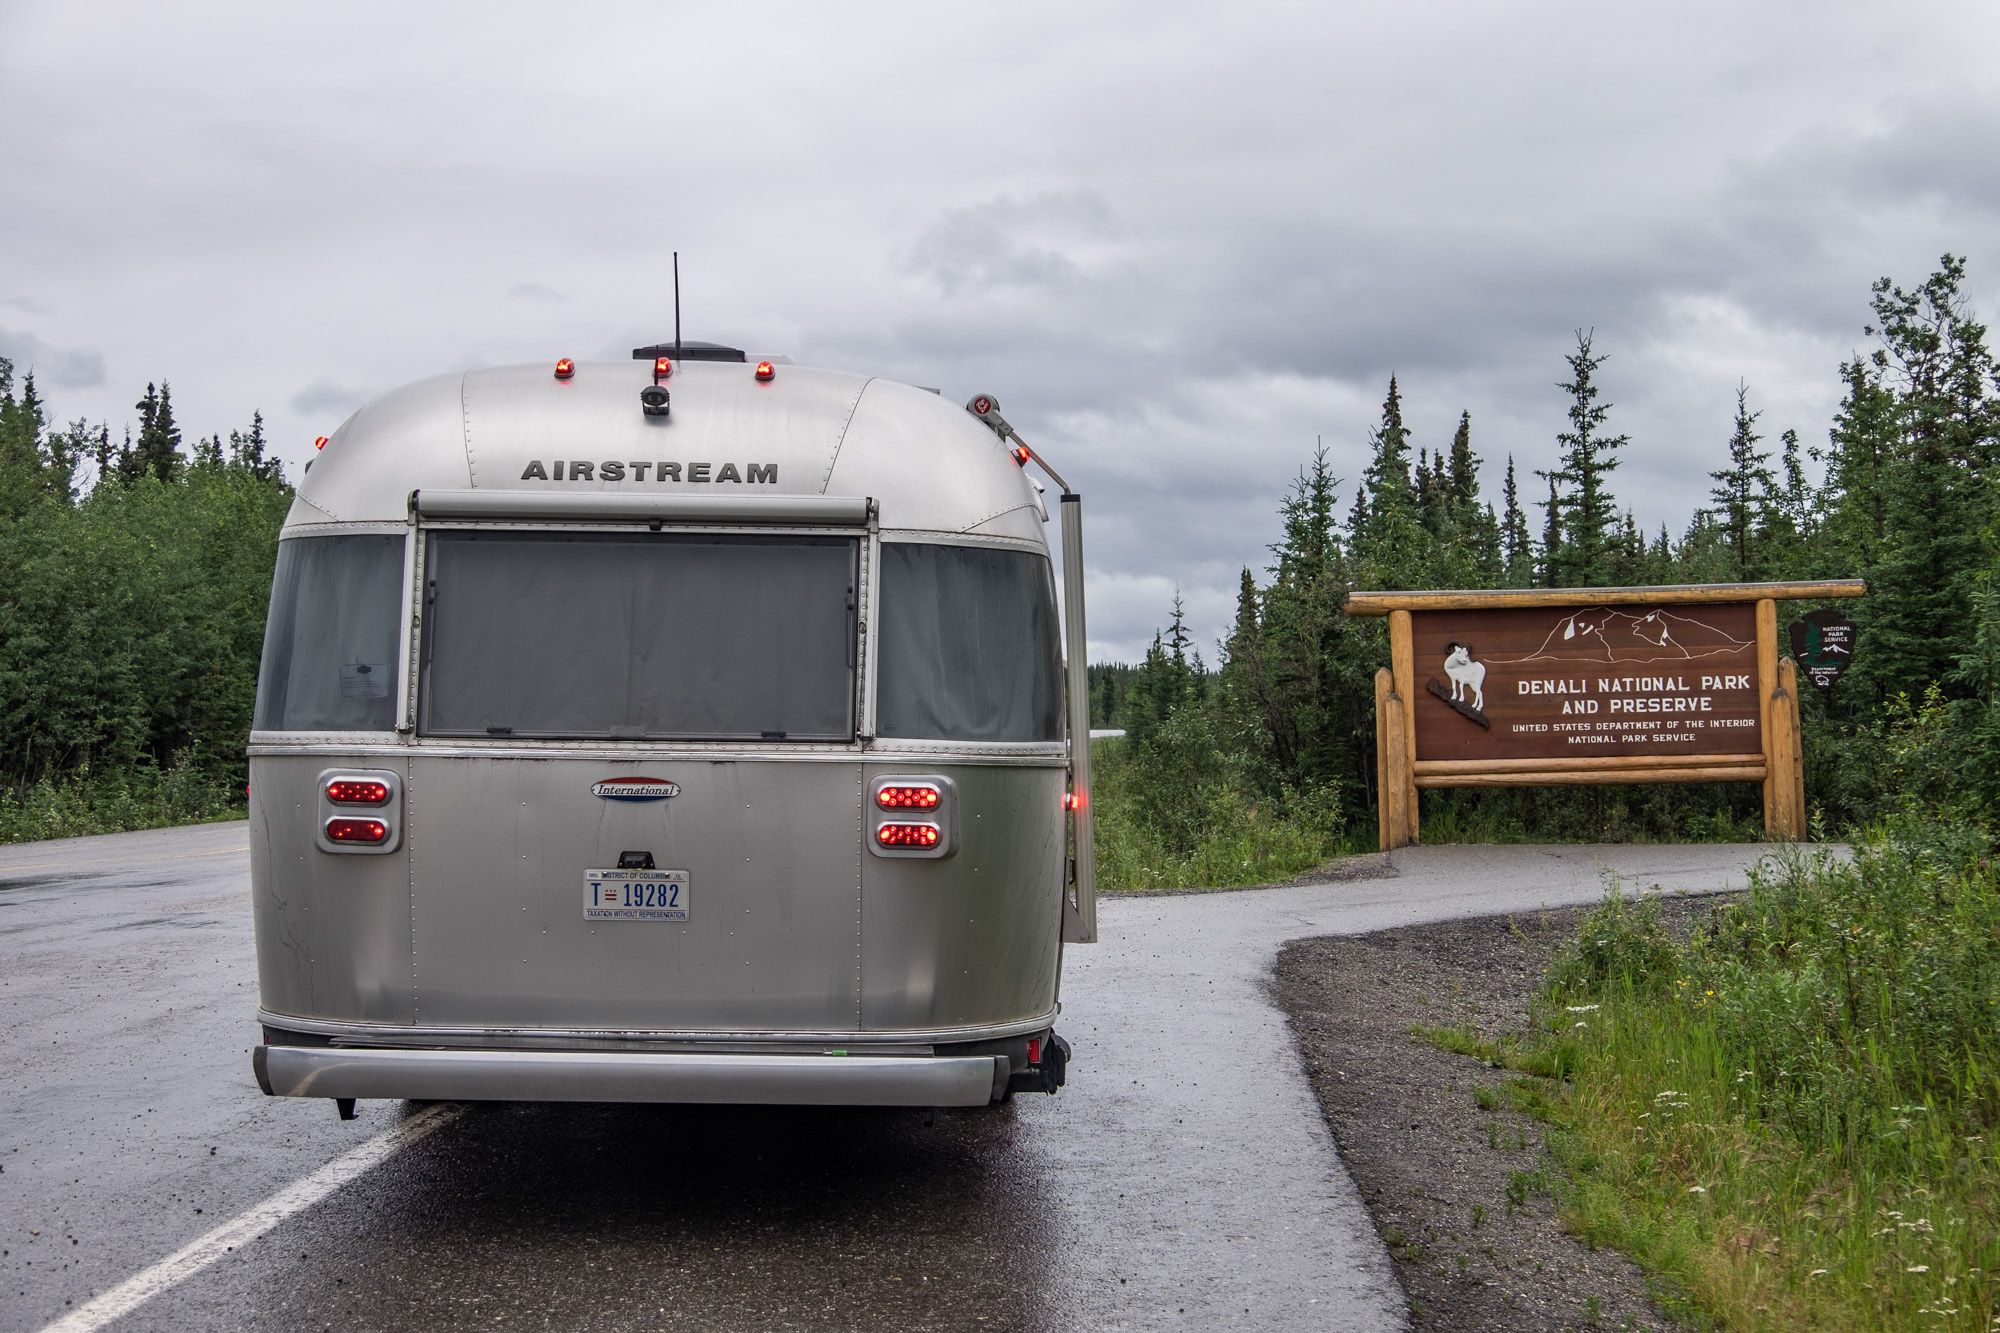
x=1823 y=643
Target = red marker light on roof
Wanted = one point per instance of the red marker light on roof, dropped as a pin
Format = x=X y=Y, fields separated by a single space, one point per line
x=914 y=796
x=565 y=368
x=356 y=830
x=765 y=370
x=662 y=367
x=1020 y=455
x=908 y=835
x=320 y=443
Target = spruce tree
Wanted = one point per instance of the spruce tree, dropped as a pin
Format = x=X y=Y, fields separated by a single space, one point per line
x=1463 y=476
x=1554 y=557
x=1743 y=486
x=22 y=423
x=1587 y=510
x=1861 y=445
x=158 y=449
x=1938 y=502
x=246 y=450
x=1297 y=683
x=1791 y=512
x=1390 y=547
x=106 y=457
x=1517 y=546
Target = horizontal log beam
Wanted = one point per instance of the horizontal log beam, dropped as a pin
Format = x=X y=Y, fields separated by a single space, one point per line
x=1382 y=603
x=1605 y=763
x=1573 y=777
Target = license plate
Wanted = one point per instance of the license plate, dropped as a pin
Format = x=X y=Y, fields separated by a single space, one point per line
x=635 y=895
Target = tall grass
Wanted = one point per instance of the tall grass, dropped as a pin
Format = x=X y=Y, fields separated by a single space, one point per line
x=1793 y=1116
x=138 y=798
x=1208 y=836
x=1664 y=812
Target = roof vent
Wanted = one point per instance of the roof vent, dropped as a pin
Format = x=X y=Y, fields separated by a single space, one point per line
x=689 y=351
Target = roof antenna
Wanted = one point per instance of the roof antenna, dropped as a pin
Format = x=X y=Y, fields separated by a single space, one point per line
x=677 y=305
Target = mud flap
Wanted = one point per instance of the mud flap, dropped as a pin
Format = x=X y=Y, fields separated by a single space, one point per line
x=1047 y=1076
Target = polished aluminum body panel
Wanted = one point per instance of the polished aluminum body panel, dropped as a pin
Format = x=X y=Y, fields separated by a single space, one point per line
x=584 y=1076
x=973 y=938
x=333 y=932
x=773 y=854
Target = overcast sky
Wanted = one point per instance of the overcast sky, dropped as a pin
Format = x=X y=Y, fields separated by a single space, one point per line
x=1179 y=243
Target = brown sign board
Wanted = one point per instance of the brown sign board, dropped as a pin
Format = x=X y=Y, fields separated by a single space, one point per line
x=1588 y=682
x=1559 y=686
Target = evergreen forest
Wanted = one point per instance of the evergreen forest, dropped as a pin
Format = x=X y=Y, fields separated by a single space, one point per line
x=134 y=576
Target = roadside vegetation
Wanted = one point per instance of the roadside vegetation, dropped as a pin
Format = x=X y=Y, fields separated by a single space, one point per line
x=1790 y=1118
x=1259 y=763
x=133 y=584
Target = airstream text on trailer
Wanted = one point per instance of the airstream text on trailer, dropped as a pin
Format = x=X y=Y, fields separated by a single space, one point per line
x=677 y=730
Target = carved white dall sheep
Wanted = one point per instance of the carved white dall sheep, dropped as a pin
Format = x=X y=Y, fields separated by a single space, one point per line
x=1465 y=674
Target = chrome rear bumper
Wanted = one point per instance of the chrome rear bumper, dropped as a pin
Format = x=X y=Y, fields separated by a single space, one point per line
x=592 y=1076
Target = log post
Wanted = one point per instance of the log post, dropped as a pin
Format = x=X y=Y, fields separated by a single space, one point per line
x=1395 y=784
x=1403 y=661
x=1785 y=775
x=1767 y=688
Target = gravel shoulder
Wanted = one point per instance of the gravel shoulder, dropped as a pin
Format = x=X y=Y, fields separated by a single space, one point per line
x=1451 y=1186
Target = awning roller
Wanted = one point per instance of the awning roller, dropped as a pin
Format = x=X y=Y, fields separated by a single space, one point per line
x=841 y=510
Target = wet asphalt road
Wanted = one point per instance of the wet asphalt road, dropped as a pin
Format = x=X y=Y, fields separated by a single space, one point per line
x=1184 y=1179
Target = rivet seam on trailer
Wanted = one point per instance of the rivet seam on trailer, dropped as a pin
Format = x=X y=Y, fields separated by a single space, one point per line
x=465 y=421
x=833 y=459
x=999 y=513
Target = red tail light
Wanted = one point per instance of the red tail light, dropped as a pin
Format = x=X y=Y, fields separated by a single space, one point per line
x=913 y=797
x=765 y=370
x=662 y=367
x=320 y=443
x=357 y=791
x=908 y=835
x=565 y=368
x=356 y=830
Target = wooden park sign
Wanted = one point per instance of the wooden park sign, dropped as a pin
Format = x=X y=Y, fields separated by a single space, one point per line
x=1555 y=686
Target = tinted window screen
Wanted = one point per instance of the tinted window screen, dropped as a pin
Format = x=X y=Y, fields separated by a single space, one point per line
x=330 y=640
x=968 y=645
x=629 y=636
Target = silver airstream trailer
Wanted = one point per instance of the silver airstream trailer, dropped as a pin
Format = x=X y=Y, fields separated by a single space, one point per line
x=673 y=730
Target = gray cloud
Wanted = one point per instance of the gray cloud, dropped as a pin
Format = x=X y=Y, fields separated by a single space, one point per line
x=57 y=367
x=1008 y=243
x=323 y=398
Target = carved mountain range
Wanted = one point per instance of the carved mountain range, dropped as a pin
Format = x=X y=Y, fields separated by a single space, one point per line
x=1603 y=635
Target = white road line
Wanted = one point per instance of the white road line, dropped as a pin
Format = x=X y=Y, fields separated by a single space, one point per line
x=245 y=1227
